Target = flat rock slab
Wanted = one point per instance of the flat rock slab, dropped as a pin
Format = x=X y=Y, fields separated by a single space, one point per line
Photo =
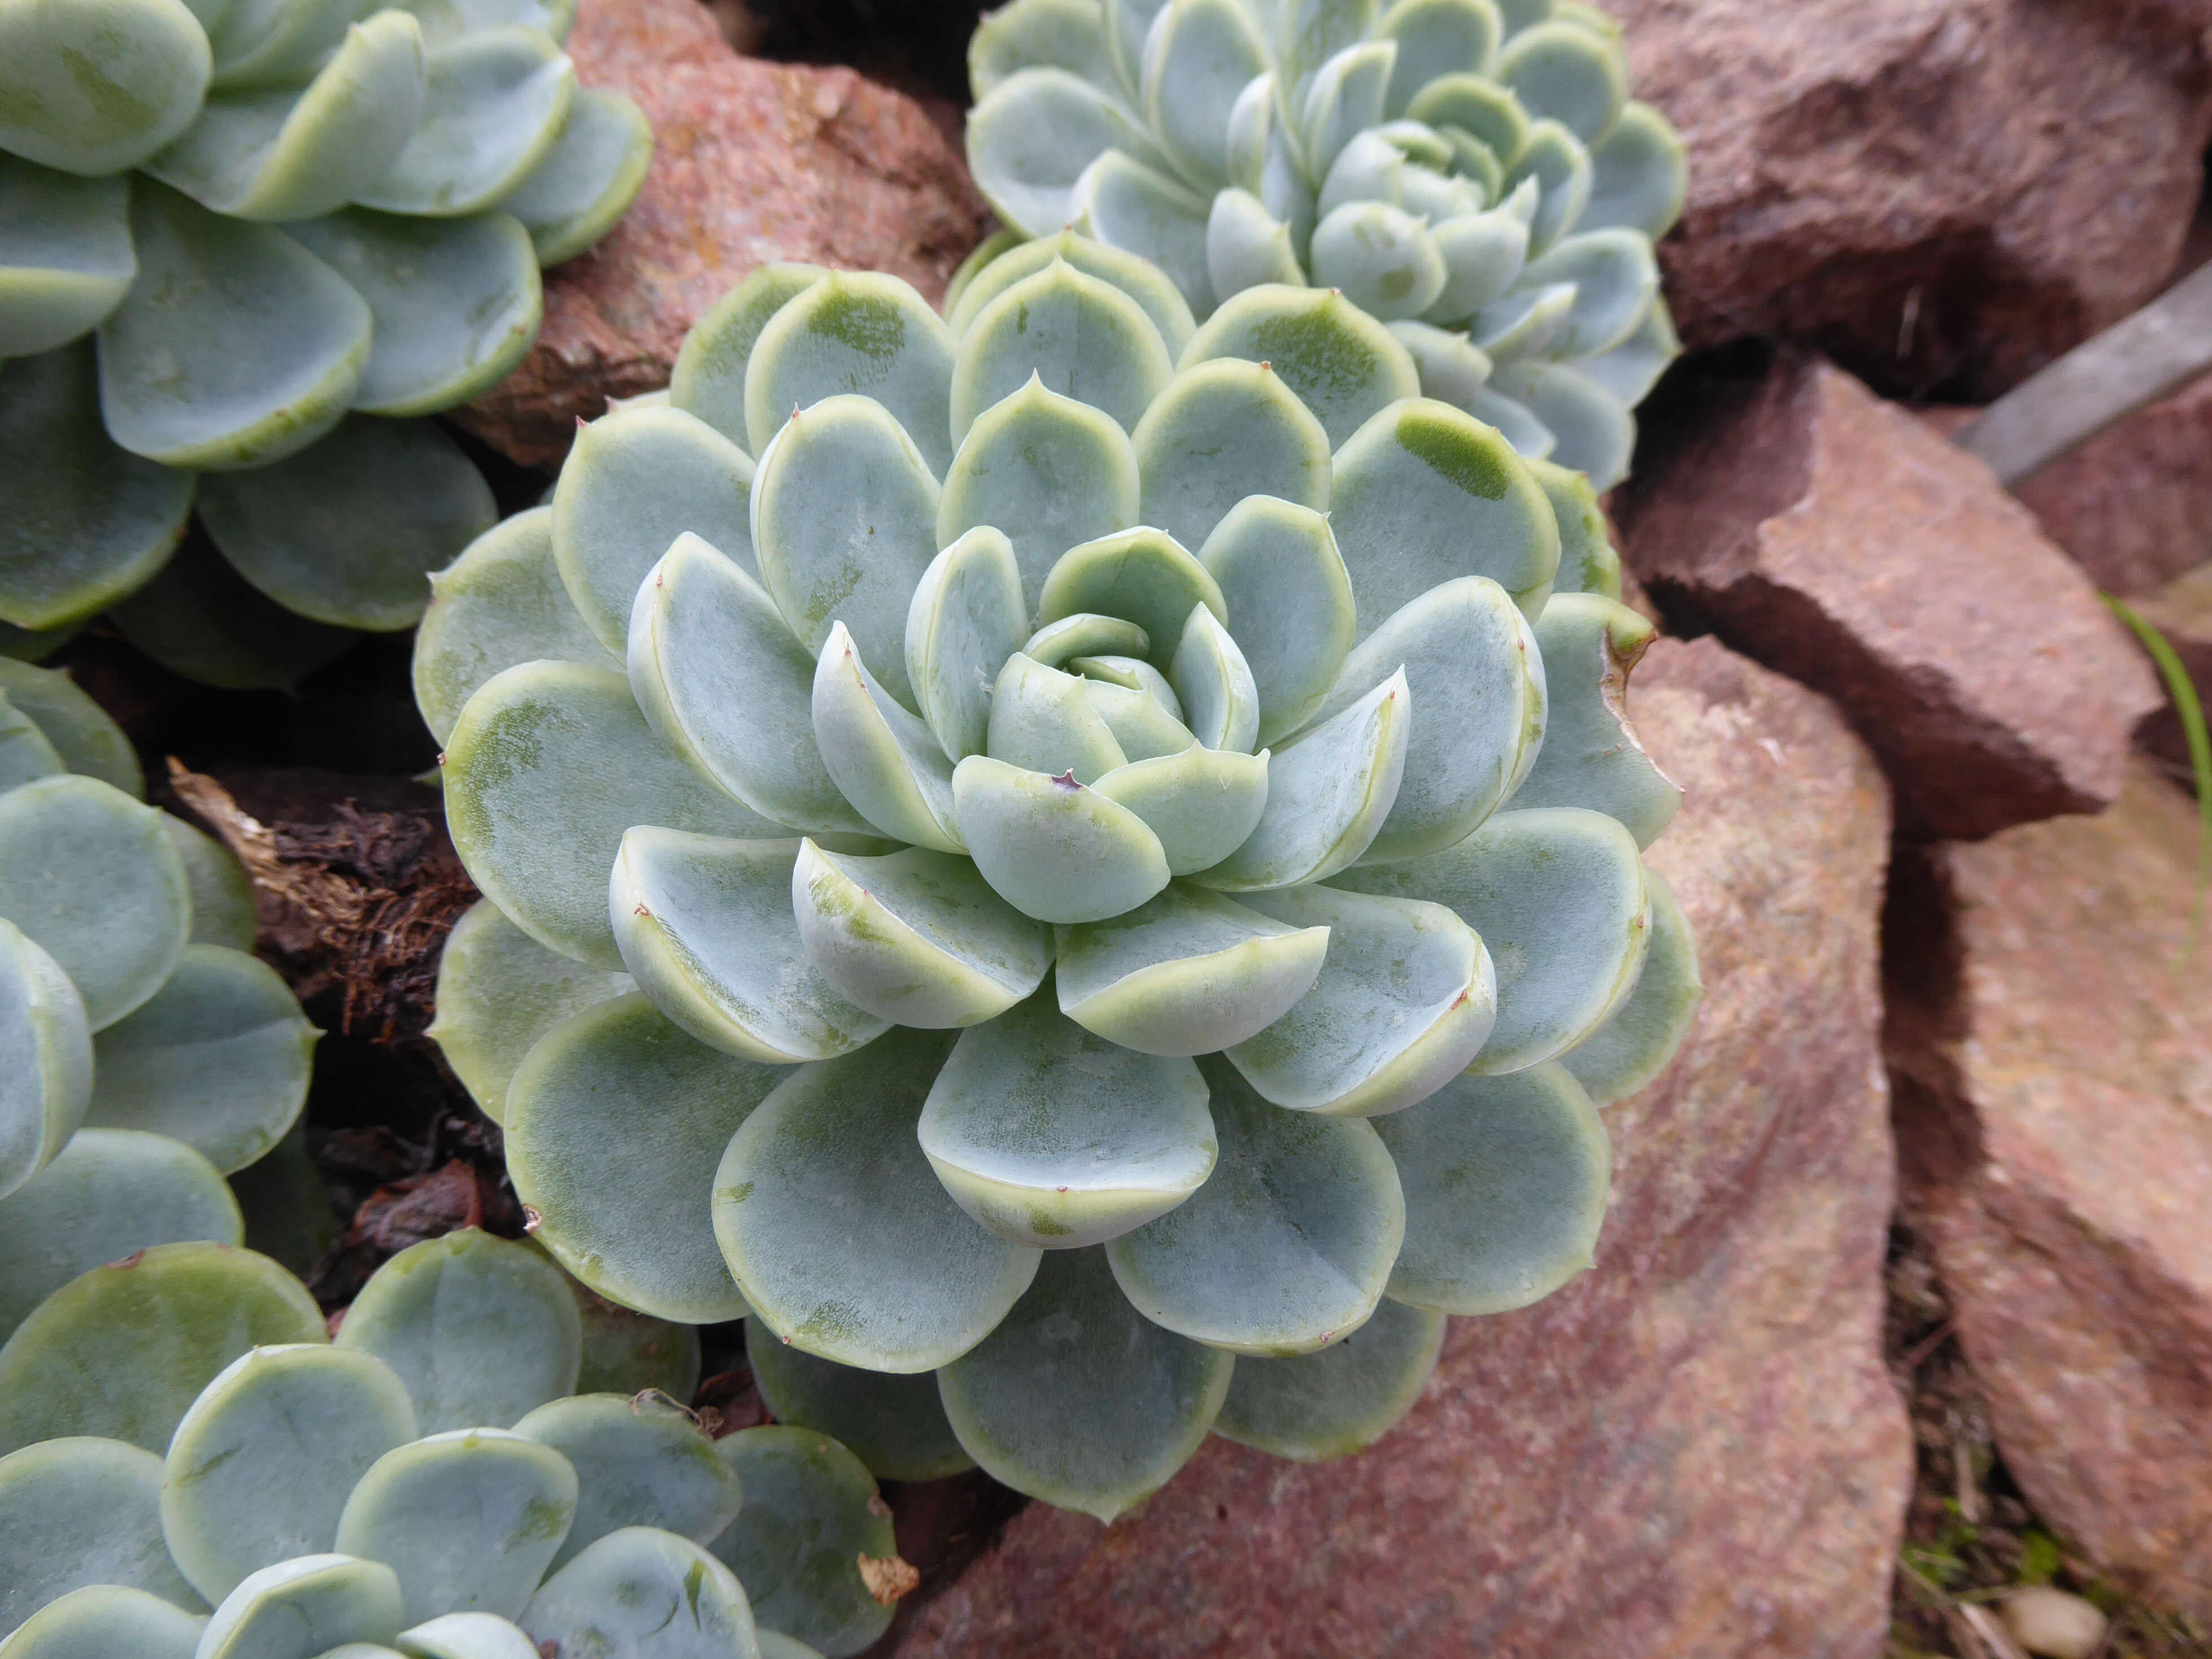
x=754 y=162
x=1936 y=192
x=1693 y=1448
x=2052 y=1045
x=1834 y=536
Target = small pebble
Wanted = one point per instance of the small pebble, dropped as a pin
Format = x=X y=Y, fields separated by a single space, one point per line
x=2053 y=1624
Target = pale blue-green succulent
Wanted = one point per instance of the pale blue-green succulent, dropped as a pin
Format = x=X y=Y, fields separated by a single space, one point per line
x=192 y=1469
x=241 y=243
x=1075 y=853
x=144 y=1054
x=1472 y=172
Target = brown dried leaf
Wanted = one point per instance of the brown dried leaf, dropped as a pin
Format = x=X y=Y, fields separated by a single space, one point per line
x=888 y=1578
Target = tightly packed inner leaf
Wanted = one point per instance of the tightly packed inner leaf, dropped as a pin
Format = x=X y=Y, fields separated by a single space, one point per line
x=1472 y=174
x=231 y=234
x=1036 y=910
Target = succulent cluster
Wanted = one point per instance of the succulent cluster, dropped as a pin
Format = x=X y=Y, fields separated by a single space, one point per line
x=1473 y=173
x=178 y=1434
x=1090 y=855
x=241 y=241
x=144 y=1056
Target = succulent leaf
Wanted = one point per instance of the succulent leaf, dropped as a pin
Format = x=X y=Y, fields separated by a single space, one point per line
x=283 y=155
x=1142 y=576
x=1342 y=1400
x=1329 y=790
x=640 y=1461
x=523 y=1343
x=495 y=103
x=1505 y=1181
x=1078 y=337
x=1591 y=757
x=26 y=756
x=709 y=378
x=84 y=737
x=628 y=1353
x=1222 y=434
x=500 y=603
x=643 y=1594
x=142 y=67
x=259 y=1470
x=1559 y=897
x=1424 y=493
x=726 y=685
x=1289 y=602
x=199 y=617
x=1201 y=804
x=455 y=302
x=305 y=1606
x=122 y=1351
x=625 y=1211
x=587 y=180
x=84 y=521
x=105 y=1619
x=844 y=522
x=1052 y=473
x=838 y=1229
x=1052 y=848
x=1638 y=175
x=79 y=1512
x=1342 y=363
x=1139 y=279
x=1405 y=1001
x=1124 y=201
x=636 y=480
x=915 y=937
x=106 y=1194
x=967 y=617
x=548 y=742
x=1055 y=1137
x=812 y=1515
x=468 y=1519
x=1313 y=1205
x=68 y=262
x=894 y=1425
x=89 y=876
x=1034 y=135
x=1077 y=1399
x=218 y=1058
x=1186 y=973
x=1067 y=34
x=466 y=1636
x=235 y=347
x=223 y=912
x=43 y=1033
x=707 y=929
x=1633 y=1047
x=852 y=333
x=889 y=764
x=1476 y=679
x=499 y=991
x=1588 y=563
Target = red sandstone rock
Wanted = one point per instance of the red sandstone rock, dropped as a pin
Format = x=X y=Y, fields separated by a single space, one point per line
x=754 y=161
x=1691 y=1450
x=1936 y=192
x=1839 y=539
x=2051 y=1047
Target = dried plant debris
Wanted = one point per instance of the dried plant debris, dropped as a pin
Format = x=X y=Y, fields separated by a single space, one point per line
x=1973 y=1545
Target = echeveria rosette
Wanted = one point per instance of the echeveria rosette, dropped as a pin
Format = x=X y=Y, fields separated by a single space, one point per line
x=1099 y=853
x=191 y=1468
x=243 y=243
x=1472 y=172
x=144 y=1054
